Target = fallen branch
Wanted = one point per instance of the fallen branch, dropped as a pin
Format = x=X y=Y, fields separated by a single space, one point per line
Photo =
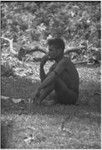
x=75 y=50
x=23 y=51
x=35 y=50
x=37 y=59
x=77 y=63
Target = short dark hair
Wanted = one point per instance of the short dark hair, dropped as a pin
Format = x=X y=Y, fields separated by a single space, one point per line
x=57 y=42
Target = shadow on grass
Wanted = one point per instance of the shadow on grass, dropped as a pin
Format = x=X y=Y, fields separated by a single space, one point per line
x=90 y=94
x=22 y=88
x=18 y=88
x=47 y=119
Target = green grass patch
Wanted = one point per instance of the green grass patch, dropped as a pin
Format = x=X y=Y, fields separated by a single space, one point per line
x=58 y=126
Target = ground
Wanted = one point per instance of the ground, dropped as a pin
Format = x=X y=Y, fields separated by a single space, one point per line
x=58 y=126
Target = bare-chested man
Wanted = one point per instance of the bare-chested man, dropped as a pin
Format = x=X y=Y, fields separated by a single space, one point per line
x=62 y=78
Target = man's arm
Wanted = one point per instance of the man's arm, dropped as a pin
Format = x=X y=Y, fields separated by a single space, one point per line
x=51 y=77
x=44 y=93
x=40 y=94
x=42 y=72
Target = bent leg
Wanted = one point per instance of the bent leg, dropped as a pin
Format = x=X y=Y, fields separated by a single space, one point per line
x=64 y=94
x=45 y=92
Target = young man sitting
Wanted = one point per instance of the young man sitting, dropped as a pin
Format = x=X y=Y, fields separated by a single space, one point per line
x=62 y=77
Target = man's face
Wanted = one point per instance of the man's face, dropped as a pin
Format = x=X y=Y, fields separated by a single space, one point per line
x=53 y=52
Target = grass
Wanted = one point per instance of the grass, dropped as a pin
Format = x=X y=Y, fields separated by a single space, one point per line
x=58 y=126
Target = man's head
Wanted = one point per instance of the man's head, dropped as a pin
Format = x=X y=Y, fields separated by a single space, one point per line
x=56 y=48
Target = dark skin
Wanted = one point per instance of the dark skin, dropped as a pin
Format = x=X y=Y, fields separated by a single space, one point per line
x=62 y=78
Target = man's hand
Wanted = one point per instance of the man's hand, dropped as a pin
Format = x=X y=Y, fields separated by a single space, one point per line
x=44 y=60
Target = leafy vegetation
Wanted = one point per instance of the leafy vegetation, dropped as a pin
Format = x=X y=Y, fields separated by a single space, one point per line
x=31 y=23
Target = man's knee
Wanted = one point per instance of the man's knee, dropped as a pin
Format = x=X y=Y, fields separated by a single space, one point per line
x=60 y=86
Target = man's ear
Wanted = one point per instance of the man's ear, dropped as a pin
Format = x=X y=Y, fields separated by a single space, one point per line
x=60 y=51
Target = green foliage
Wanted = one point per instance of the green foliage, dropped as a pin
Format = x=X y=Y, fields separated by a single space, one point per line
x=26 y=22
